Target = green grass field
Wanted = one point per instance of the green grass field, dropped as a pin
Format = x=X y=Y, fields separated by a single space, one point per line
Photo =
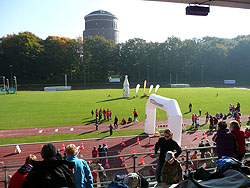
x=61 y=108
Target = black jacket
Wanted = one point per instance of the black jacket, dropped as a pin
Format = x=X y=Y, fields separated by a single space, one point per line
x=51 y=174
x=167 y=145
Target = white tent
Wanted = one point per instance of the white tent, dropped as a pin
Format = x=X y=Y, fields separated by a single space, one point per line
x=173 y=112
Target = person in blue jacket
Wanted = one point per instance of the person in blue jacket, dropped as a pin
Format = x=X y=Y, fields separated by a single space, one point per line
x=81 y=168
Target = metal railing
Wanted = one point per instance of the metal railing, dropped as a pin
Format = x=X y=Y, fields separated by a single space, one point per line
x=185 y=155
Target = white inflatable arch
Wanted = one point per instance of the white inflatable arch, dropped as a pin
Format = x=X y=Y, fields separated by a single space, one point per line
x=173 y=112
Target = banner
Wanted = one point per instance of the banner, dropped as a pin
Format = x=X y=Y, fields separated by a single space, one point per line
x=150 y=88
x=145 y=84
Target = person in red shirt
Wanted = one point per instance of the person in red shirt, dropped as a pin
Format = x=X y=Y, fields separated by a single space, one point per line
x=104 y=114
x=94 y=153
x=18 y=178
x=96 y=113
x=193 y=119
x=237 y=117
x=239 y=135
x=123 y=121
x=135 y=114
x=108 y=114
x=207 y=117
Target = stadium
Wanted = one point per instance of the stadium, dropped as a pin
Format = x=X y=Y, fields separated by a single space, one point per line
x=117 y=104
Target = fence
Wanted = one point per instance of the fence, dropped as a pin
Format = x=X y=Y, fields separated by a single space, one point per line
x=184 y=159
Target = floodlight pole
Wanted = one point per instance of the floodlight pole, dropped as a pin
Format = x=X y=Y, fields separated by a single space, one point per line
x=65 y=77
x=8 y=84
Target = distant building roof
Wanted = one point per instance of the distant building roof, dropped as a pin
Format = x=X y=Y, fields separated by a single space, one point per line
x=103 y=12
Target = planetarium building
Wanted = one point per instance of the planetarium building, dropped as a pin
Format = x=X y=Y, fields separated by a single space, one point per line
x=101 y=23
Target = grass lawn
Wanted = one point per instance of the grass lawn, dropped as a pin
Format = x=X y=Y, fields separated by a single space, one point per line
x=61 y=108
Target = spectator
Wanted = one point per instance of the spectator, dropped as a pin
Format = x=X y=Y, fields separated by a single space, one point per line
x=199 y=112
x=105 y=149
x=123 y=121
x=129 y=119
x=104 y=114
x=193 y=120
x=58 y=155
x=108 y=114
x=96 y=113
x=18 y=178
x=111 y=129
x=197 y=123
x=237 y=116
x=94 y=152
x=102 y=174
x=225 y=141
x=209 y=162
x=135 y=115
x=92 y=113
x=207 y=117
x=116 y=122
x=50 y=173
x=211 y=122
x=82 y=171
x=248 y=122
x=195 y=162
x=201 y=145
x=207 y=144
x=171 y=170
x=93 y=167
x=100 y=114
x=165 y=144
x=239 y=135
x=230 y=108
x=100 y=151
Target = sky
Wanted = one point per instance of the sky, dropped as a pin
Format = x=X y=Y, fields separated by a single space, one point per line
x=148 y=20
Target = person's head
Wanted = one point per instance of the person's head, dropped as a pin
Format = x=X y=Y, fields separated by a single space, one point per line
x=48 y=151
x=222 y=125
x=58 y=155
x=168 y=134
x=30 y=159
x=195 y=152
x=169 y=157
x=94 y=147
x=234 y=124
x=71 y=149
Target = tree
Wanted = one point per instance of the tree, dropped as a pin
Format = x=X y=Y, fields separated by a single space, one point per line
x=22 y=51
x=98 y=57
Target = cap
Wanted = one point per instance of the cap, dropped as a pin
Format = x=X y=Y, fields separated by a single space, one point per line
x=169 y=155
x=132 y=180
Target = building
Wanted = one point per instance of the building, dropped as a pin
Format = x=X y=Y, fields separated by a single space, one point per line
x=101 y=23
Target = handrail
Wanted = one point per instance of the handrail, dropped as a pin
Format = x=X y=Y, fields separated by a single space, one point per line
x=186 y=152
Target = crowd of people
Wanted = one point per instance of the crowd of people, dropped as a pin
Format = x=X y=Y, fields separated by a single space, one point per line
x=106 y=115
x=53 y=171
x=233 y=112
